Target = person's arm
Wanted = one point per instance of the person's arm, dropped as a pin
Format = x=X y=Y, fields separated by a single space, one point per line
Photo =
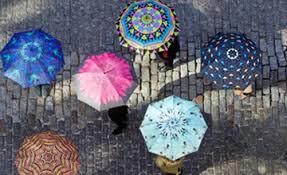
x=177 y=163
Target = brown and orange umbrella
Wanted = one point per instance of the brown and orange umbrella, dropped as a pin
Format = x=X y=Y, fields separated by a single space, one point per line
x=47 y=153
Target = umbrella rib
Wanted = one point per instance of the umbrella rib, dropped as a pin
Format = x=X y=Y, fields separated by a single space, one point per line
x=151 y=145
x=160 y=111
x=100 y=90
x=156 y=140
x=13 y=66
x=171 y=150
x=96 y=65
x=41 y=61
x=114 y=88
x=43 y=70
x=127 y=95
x=55 y=58
x=109 y=70
x=188 y=144
x=9 y=51
x=186 y=110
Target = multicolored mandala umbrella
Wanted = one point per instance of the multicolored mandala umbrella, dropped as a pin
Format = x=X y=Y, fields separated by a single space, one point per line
x=173 y=127
x=105 y=81
x=32 y=58
x=147 y=25
x=47 y=153
x=231 y=60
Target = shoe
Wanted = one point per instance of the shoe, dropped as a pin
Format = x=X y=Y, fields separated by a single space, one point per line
x=165 y=68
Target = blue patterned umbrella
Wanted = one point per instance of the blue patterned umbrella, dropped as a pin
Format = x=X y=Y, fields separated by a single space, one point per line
x=173 y=127
x=32 y=58
x=231 y=60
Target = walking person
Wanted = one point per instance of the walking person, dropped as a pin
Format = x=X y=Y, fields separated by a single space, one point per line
x=163 y=129
x=169 y=55
x=119 y=116
x=169 y=167
x=231 y=61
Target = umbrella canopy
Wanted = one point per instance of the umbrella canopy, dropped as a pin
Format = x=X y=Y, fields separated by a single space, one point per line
x=231 y=60
x=47 y=153
x=105 y=81
x=147 y=25
x=173 y=127
x=32 y=58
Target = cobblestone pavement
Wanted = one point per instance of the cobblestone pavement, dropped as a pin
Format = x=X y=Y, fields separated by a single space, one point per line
x=244 y=137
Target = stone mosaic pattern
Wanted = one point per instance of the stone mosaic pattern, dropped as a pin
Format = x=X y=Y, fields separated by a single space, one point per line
x=244 y=137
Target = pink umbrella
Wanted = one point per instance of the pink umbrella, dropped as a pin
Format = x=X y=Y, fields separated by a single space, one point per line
x=105 y=81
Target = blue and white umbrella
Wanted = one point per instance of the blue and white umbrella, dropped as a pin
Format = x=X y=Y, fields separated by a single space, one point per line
x=173 y=127
x=32 y=58
x=231 y=60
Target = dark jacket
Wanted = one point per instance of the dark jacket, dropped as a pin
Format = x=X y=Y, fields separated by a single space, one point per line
x=172 y=50
x=174 y=47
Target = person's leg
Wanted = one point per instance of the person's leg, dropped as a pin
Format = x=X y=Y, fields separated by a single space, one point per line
x=176 y=46
x=244 y=93
x=172 y=50
x=119 y=116
x=169 y=61
x=169 y=56
x=112 y=113
x=248 y=89
x=240 y=93
x=122 y=125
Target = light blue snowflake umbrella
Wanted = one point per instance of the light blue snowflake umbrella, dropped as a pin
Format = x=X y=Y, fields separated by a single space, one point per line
x=173 y=127
x=32 y=58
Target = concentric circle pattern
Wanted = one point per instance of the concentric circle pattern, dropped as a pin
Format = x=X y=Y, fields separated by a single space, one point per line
x=231 y=61
x=31 y=51
x=47 y=154
x=32 y=58
x=173 y=127
x=147 y=25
